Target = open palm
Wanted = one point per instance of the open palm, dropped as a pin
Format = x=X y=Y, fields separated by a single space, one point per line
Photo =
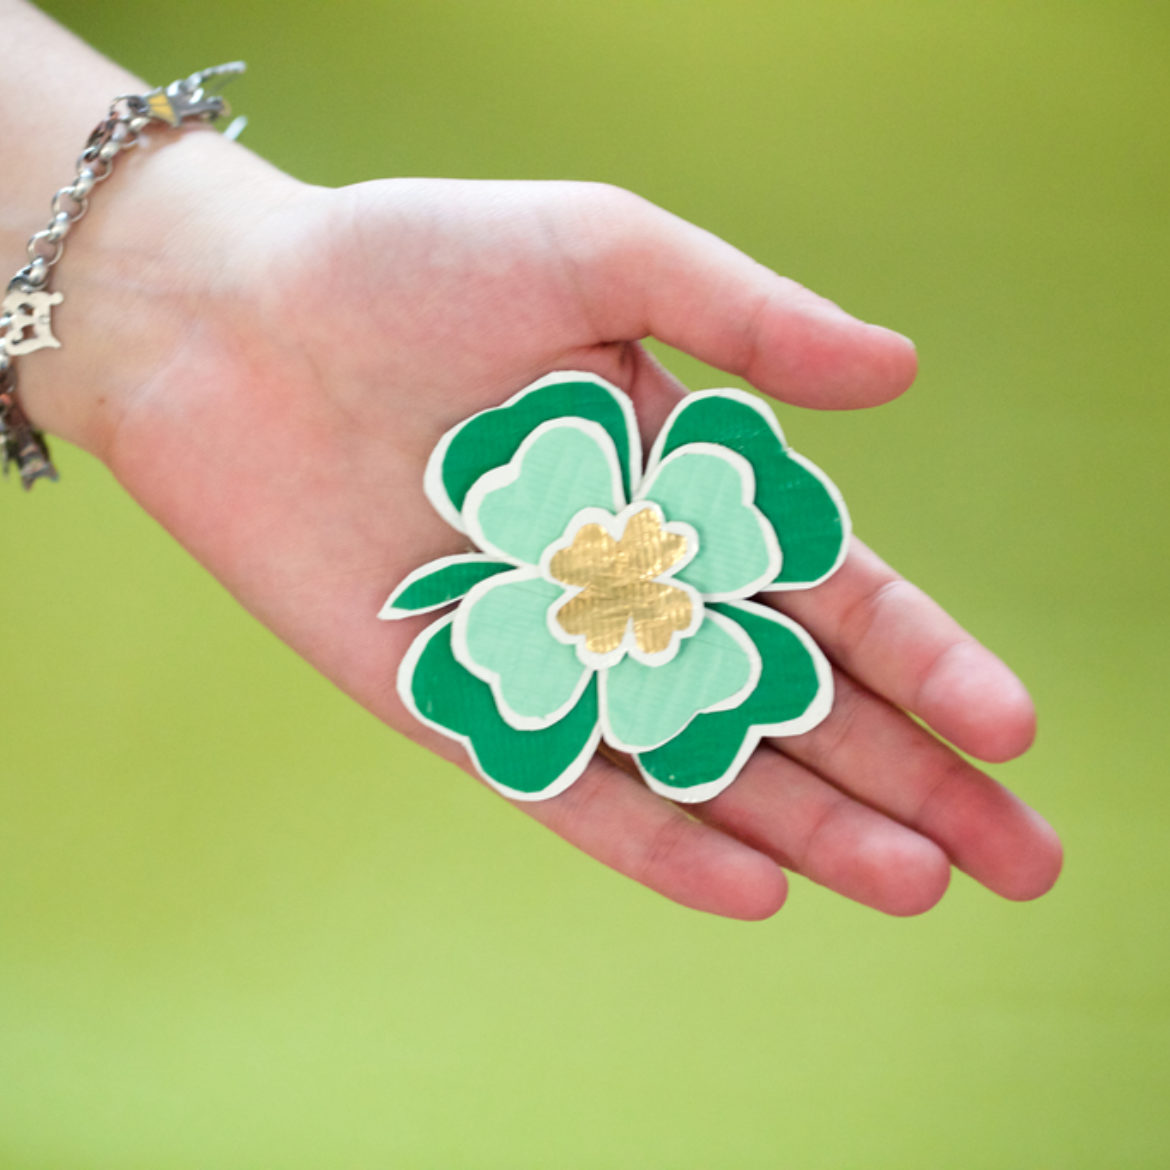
x=300 y=372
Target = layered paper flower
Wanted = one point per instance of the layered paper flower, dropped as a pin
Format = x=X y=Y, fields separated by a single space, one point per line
x=608 y=602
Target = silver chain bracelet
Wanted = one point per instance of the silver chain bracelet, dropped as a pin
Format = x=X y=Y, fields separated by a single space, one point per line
x=26 y=313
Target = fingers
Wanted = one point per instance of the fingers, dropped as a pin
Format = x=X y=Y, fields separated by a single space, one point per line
x=893 y=638
x=786 y=810
x=641 y=271
x=873 y=807
x=874 y=752
x=621 y=823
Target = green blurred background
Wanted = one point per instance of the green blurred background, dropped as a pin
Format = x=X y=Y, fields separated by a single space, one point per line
x=245 y=926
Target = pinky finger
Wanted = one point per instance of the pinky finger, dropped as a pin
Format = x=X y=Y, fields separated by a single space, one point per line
x=621 y=823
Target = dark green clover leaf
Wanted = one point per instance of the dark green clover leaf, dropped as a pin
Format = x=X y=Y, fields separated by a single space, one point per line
x=804 y=508
x=522 y=764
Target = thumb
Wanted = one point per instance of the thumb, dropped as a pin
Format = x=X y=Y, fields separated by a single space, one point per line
x=641 y=271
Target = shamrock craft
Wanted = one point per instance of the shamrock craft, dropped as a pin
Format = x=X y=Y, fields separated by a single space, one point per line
x=608 y=601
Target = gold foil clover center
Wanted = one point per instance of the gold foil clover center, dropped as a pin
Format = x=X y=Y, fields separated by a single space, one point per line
x=618 y=586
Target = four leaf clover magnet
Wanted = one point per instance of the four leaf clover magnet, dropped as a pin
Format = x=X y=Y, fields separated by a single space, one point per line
x=611 y=601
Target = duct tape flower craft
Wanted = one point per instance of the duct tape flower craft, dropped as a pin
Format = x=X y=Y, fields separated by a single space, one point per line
x=607 y=602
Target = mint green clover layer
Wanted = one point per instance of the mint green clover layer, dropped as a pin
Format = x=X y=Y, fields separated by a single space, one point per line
x=564 y=470
x=490 y=439
x=706 y=491
x=508 y=636
x=447 y=583
x=524 y=761
x=648 y=704
x=707 y=747
x=803 y=512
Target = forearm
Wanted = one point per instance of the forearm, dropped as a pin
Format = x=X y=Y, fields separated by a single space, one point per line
x=126 y=267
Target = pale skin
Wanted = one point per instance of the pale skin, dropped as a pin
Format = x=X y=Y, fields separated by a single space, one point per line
x=265 y=367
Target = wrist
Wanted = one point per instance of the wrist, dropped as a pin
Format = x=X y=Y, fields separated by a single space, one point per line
x=164 y=238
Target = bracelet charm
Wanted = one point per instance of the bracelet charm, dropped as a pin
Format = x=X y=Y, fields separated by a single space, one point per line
x=29 y=317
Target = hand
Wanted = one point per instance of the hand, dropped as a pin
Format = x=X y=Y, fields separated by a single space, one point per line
x=300 y=352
